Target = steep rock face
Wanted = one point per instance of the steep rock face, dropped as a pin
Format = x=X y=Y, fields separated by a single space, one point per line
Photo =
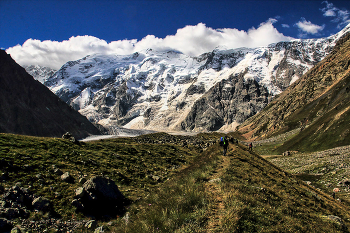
x=318 y=103
x=28 y=107
x=157 y=90
x=230 y=101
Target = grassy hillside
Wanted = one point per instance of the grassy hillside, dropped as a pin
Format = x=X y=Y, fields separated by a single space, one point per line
x=196 y=190
x=329 y=129
x=318 y=103
x=32 y=161
x=238 y=193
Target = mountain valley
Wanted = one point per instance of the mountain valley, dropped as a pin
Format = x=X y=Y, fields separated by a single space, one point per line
x=290 y=99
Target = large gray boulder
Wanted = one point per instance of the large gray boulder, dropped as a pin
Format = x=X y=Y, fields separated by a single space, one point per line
x=101 y=187
x=100 y=196
x=66 y=177
x=41 y=204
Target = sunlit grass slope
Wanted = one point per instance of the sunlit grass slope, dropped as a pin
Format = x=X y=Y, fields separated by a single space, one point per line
x=196 y=190
x=256 y=197
x=135 y=167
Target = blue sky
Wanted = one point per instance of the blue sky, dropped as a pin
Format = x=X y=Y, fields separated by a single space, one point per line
x=52 y=32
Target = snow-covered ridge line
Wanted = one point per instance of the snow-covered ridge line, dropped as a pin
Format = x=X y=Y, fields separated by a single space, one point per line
x=157 y=89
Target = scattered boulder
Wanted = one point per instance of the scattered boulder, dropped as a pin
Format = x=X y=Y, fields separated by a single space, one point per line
x=66 y=177
x=58 y=171
x=217 y=180
x=15 y=203
x=101 y=187
x=19 y=195
x=99 y=229
x=92 y=224
x=345 y=182
x=156 y=178
x=77 y=204
x=82 y=180
x=10 y=213
x=99 y=196
x=41 y=204
x=4 y=176
x=79 y=192
x=289 y=153
x=286 y=153
x=69 y=136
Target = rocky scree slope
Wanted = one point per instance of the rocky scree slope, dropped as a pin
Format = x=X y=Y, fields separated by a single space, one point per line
x=167 y=90
x=318 y=103
x=28 y=107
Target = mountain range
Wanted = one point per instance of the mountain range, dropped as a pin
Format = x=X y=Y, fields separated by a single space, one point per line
x=170 y=91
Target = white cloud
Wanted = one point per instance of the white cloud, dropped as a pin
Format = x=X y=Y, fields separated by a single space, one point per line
x=308 y=27
x=285 y=26
x=190 y=40
x=329 y=10
x=329 y=13
x=340 y=16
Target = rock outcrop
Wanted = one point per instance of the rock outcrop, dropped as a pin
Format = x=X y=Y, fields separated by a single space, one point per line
x=99 y=196
x=229 y=101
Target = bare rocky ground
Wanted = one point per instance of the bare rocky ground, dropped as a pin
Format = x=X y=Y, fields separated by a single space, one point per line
x=327 y=170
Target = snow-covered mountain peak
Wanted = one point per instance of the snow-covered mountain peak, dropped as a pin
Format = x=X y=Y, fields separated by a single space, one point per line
x=159 y=89
x=39 y=73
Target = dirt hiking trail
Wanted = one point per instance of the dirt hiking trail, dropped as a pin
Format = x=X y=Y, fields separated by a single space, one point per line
x=213 y=187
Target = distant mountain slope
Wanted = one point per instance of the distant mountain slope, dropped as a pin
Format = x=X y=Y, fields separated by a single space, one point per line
x=28 y=107
x=319 y=103
x=40 y=73
x=167 y=90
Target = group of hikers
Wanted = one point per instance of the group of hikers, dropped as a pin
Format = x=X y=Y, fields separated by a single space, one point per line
x=225 y=141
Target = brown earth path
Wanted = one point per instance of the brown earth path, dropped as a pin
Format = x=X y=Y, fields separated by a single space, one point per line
x=213 y=188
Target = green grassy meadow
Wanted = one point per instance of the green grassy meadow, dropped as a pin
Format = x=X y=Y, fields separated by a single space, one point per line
x=174 y=184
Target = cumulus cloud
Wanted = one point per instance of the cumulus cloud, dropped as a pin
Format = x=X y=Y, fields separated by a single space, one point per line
x=340 y=16
x=54 y=54
x=190 y=40
x=308 y=27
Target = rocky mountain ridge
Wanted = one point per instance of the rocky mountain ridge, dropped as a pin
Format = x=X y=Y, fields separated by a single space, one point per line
x=317 y=104
x=40 y=73
x=28 y=107
x=167 y=90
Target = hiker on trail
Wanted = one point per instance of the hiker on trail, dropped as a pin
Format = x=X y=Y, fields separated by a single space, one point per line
x=250 y=146
x=224 y=143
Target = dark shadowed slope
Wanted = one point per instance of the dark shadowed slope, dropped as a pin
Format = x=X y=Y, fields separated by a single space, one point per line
x=28 y=107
